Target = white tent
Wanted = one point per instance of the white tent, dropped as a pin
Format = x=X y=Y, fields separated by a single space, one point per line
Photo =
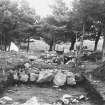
x=14 y=47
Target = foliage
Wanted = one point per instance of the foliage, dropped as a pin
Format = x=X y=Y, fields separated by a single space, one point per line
x=15 y=18
x=91 y=14
x=58 y=27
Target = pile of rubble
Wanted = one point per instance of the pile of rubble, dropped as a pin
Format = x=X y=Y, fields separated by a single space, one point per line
x=70 y=99
x=99 y=72
x=91 y=56
x=58 y=77
x=26 y=69
x=11 y=59
x=54 y=58
x=64 y=100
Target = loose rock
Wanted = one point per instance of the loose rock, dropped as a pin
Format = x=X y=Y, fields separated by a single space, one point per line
x=5 y=100
x=27 y=65
x=71 y=79
x=45 y=76
x=32 y=101
x=23 y=77
x=33 y=77
x=60 y=79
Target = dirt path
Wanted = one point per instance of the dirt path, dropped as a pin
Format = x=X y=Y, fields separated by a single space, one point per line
x=44 y=94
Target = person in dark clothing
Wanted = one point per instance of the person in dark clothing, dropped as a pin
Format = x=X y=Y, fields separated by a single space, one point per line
x=67 y=58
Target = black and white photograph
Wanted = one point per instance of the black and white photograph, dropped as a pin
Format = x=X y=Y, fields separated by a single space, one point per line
x=52 y=52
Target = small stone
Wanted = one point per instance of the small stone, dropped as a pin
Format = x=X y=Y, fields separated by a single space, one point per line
x=59 y=89
x=16 y=103
x=67 y=96
x=11 y=91
x=59 y=102
x=75 y=101
x=66 y=99
x=7 y=98
x=81 y=97
x=55 y=86
x=27 y=65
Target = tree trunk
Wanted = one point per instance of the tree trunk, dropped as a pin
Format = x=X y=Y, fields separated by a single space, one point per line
x=28 y=46
x=1 y=42
x=83 y=33
x=9 y=47
x=73 y=40
x=5 y=47
x=51 y=47
x=103 y=48
x=96 y=41
x=52 y=44
x=72 y=45
x=19 y=44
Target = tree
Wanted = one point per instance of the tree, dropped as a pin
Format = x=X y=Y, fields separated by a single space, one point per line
x=6 y=23
x=98 y=31
x=51 y=34
x=91 y=9
x=15 y=18
x=62 y=18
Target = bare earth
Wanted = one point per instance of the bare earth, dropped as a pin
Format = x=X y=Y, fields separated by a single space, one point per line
x=44 y=94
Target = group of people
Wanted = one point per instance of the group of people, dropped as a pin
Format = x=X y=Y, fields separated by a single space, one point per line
x=61 y=58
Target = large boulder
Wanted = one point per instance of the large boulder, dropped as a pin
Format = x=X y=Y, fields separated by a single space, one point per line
x=71 y=79
x=6 y=100
x=33 y=77
x=59 y=79
x=45 y=76
x=15 y=76
x=23 y=77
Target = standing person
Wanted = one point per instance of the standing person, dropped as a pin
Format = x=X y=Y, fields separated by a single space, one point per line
x=59 y=48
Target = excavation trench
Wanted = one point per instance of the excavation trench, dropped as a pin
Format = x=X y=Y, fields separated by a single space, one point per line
x=94 y=95
x=46 y=93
